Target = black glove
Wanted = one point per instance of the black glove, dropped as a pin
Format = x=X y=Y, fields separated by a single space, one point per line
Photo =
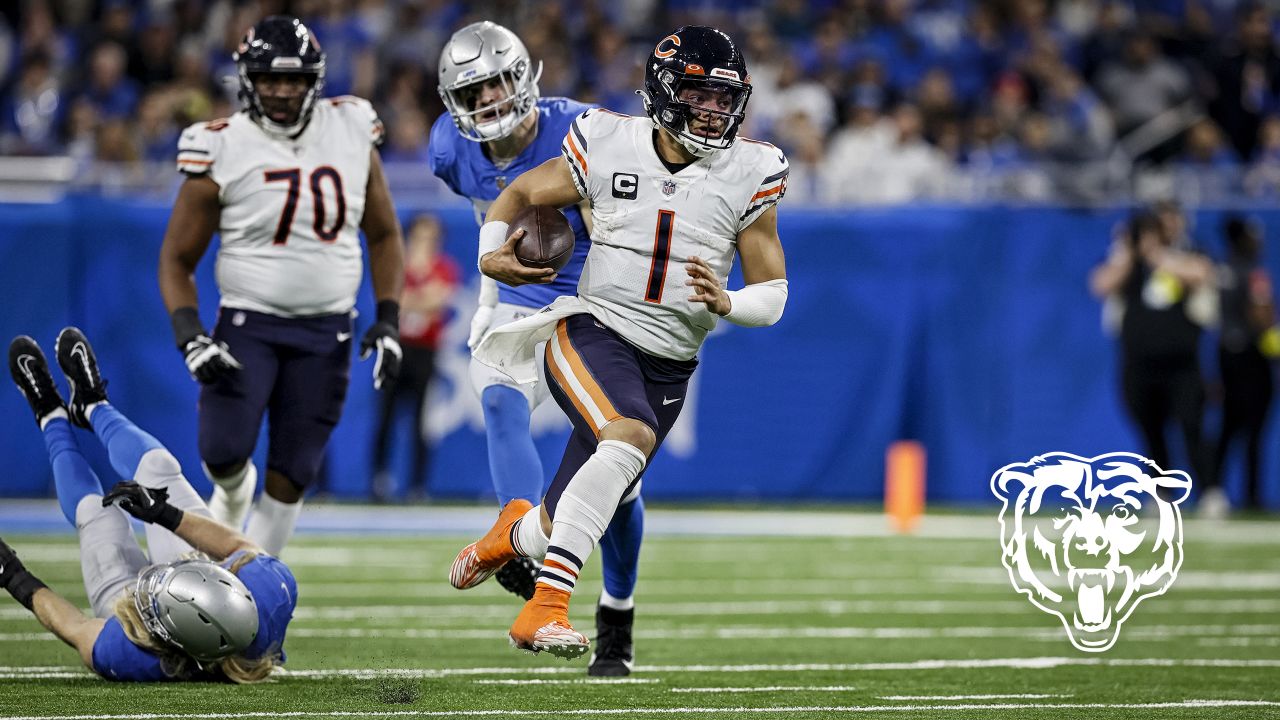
x=206 y=359
x=384 y=337
x=15 y=578
x=147 y=504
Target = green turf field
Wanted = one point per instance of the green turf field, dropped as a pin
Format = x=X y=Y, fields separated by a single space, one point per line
x=750 y=627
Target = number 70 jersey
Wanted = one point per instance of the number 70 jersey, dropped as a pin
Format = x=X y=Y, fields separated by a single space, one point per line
x=648 y=221
x=291 y=208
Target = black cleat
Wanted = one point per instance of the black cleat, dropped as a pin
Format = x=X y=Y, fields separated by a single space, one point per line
x=519 y=576
x=30 y=371
x=613 y=654
x=78 y=363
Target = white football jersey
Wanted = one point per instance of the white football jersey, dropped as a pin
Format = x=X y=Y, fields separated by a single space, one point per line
x=647 y=221
x=291 y=209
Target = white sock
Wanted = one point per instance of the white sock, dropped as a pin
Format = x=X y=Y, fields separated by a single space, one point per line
x=585 y=508
x=609 y=601
x=232 y=494
x=53 y=415
x=88 y=409
x=530 y=540
x=272 y=523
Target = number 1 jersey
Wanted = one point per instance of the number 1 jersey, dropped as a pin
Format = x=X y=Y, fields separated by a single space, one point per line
x=647 y=221
x=291 y=209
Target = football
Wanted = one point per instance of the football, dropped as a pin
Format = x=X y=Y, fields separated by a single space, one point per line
x=548 y=239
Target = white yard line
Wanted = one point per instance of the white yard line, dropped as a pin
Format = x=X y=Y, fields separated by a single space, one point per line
x=593 y=712
x=579 y=681
x=1025 y=696
x=1027 y=663
x=774 y=688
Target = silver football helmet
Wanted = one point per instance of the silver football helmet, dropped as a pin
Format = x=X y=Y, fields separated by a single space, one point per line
x=197 y=607
x=475 y=55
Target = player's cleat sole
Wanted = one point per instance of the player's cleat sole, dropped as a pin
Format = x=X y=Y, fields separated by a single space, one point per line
x=519 y=576
x=478 y=561
x=80 y=365
x=30 y=371
x=555 y=638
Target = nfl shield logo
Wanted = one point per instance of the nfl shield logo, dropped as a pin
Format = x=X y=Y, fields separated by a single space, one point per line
x=501 y=182
x=668 y=187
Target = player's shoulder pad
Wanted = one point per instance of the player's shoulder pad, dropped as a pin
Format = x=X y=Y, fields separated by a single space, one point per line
x=199 y=144
x=359 y=112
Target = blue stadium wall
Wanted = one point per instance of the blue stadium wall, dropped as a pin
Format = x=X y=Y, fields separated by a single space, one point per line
x=969 y=329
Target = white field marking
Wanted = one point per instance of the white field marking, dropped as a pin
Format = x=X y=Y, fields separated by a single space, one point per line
x=1239 y=642
x=774 y=688
x=375 y=587
x=1028 y=696
x=594 y=712
x=1029 y=663
x=1013 y=606
x=26 y=637
x=449 y=613
x=764 y=632
x=1194 y=580
x=579 y=681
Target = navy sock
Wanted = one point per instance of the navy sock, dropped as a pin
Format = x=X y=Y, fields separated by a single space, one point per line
x=513 y=459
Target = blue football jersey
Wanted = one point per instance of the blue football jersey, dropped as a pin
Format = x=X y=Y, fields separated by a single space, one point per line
x=462 y=164
x=274 y=591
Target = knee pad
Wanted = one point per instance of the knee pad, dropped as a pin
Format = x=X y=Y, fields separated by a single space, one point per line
x=157 y=465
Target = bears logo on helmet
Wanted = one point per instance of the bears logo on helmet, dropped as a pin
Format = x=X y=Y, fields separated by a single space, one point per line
x=697 y=60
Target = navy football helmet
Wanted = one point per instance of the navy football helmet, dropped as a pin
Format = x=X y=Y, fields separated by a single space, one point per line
x=696 y=87
x=279 y=45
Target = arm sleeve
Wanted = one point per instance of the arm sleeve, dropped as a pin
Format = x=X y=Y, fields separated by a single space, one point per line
x=574 y=150
x=770 y=190
x=758 y=305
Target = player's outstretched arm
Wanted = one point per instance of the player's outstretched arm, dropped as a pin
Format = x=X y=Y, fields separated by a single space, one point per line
x=152 y=506
x=53 y=611
x=548 y=184
x=764 y=271
x=386 y=265
x=66 y=621
x=191 y=226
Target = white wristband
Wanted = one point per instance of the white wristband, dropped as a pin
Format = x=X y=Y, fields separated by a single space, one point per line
x=488 y=292
x=758 y=304
x=492 y=236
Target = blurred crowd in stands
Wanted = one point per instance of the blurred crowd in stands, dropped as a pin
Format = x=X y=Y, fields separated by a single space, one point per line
x=875 y=101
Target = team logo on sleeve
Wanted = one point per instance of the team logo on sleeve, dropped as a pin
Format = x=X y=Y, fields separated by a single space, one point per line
x=1087 y=539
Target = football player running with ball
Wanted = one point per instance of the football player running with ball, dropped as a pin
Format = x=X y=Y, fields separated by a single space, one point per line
x=167 y=617
x=288 y=182
x=497 y=128
x=675 y=197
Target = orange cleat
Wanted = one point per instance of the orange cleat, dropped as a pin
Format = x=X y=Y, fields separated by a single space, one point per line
x=483 y=557
x=543 y=624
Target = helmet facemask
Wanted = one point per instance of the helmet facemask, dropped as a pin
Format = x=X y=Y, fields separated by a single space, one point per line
x=701 y=113
x=495 y=120
x=250 y=94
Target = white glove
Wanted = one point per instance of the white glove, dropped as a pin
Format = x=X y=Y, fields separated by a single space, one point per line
x=208 y=359
x=479 y=325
